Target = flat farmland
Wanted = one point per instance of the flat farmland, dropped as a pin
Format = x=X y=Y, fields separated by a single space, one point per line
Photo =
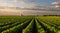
x=29 y=24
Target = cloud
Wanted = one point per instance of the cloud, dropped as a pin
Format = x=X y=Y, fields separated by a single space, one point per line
x=54 y=3
x=5 y=4
x=19 y=3
x=26 y=4
x=14 y=0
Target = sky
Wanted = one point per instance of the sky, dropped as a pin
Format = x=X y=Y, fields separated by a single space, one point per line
x=26 y=3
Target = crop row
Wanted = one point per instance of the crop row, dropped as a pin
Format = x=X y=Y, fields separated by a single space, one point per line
x=31 y=25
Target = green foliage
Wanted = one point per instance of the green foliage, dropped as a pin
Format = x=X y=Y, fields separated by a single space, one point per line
x=29 y=28
x=29 y=24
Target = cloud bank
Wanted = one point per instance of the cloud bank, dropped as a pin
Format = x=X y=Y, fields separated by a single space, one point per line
x=18 y=3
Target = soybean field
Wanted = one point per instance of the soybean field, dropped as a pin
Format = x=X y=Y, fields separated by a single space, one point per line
x=29 y=24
